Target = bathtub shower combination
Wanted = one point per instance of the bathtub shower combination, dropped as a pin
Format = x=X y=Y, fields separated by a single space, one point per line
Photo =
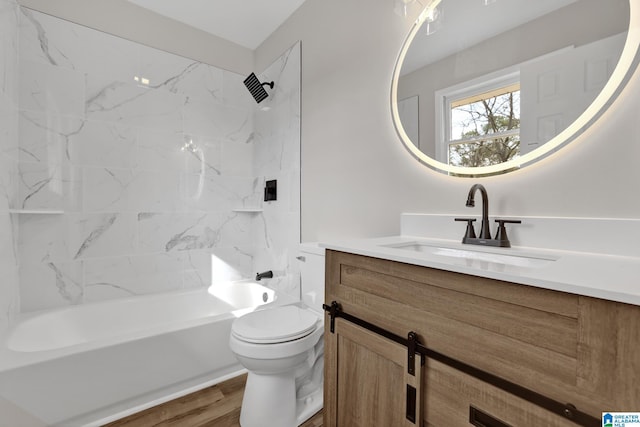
x=95 y=363
x=138 y=183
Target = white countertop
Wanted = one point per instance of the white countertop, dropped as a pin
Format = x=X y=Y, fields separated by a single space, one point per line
x=611 y=277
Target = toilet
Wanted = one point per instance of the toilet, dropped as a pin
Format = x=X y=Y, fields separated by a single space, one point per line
x=282 y=349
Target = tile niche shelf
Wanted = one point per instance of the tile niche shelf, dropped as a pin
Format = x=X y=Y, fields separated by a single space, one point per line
x=36 y=211
x=248 y=210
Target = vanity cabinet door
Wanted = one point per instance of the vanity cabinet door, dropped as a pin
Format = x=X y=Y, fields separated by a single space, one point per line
x=366 y=380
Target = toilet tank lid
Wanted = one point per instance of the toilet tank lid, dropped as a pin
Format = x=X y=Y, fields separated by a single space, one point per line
x=312 y=248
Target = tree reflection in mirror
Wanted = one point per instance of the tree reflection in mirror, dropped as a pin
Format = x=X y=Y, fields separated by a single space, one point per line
x=485 y=128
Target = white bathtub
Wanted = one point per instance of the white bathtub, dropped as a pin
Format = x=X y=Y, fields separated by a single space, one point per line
x=94 y=363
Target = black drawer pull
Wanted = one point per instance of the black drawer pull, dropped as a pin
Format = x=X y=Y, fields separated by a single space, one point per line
x=480 y=419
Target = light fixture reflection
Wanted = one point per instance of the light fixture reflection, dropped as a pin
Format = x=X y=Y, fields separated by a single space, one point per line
x=433 y=21
x=189 y=145
x=198 y=153
x=142 y=80
x=404 y=8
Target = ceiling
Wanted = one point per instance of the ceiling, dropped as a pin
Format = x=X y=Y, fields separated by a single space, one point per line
x=464 y=23
x=247 y=22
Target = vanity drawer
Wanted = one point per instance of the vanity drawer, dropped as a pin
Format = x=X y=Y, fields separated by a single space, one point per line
x=449 y=394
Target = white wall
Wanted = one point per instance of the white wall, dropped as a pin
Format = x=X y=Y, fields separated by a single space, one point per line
x=357 y=177
x=129 y=21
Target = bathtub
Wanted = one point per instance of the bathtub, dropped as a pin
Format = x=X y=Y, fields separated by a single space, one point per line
x=91 y=364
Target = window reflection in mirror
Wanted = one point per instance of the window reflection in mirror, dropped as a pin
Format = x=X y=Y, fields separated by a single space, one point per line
x=484 y=128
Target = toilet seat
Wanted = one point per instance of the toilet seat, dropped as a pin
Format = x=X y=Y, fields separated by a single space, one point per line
x=275 y=325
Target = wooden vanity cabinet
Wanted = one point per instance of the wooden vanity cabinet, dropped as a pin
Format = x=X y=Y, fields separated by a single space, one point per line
x=569 y=348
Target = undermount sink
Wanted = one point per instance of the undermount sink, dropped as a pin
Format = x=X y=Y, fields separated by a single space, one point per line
x=471 y=256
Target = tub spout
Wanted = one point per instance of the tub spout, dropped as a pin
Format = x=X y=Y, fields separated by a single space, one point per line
x=264 y=275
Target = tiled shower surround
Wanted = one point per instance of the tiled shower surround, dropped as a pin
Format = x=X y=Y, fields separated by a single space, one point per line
x=135 y=165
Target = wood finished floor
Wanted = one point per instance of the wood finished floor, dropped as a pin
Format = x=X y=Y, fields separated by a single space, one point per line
x=216 y=406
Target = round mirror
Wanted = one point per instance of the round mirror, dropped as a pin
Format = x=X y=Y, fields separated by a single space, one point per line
x=484 y=87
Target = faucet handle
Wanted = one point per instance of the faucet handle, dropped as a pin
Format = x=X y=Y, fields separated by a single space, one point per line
x=471 y=232
x=501 y=234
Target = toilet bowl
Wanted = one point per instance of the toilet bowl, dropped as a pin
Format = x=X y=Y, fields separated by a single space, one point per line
x=282 y=349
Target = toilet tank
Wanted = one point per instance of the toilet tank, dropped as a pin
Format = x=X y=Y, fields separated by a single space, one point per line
x=311 y=259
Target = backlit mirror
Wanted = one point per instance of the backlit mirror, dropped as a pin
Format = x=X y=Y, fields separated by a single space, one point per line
x=483 y=87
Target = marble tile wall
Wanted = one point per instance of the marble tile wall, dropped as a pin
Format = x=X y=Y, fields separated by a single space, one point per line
x=9 y=290
x=130 y=164
x=276 y=230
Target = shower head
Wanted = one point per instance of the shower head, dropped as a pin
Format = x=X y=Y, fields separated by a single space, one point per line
x=256 y=88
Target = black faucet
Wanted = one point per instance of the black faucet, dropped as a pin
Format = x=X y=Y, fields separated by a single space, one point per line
x=501 y=239
x=265 y=275
x=485 y=232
